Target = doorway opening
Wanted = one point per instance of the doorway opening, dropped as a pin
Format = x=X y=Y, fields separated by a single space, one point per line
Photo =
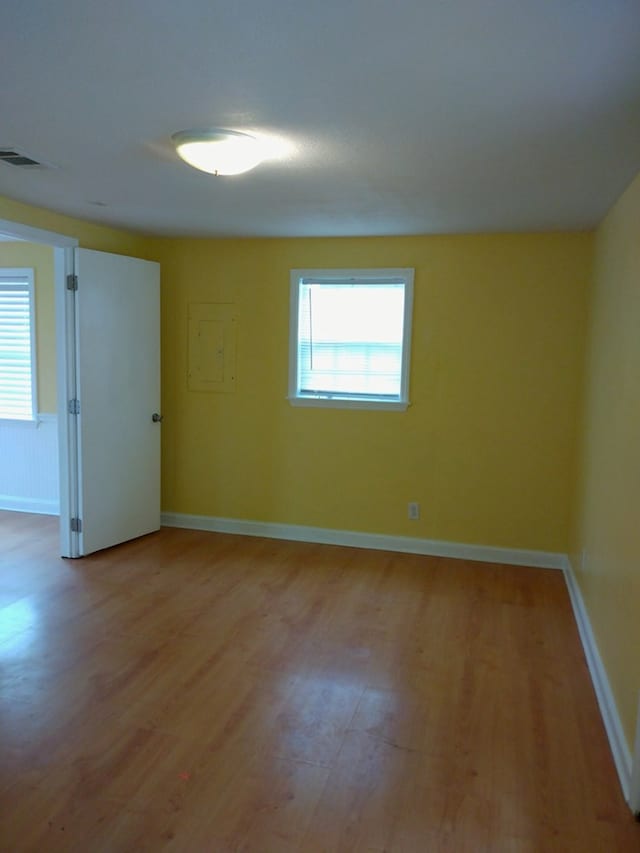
x=107 y=320
x=62 y=247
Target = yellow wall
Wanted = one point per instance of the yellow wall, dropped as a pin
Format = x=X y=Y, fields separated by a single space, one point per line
x=91 y=236
x=40 y=259
x=487 y=445
x=606 y=542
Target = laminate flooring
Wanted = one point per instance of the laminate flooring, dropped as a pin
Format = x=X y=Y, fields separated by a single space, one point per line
x=192 y=691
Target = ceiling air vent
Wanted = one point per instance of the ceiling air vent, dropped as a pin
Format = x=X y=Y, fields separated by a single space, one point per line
x=17 y=158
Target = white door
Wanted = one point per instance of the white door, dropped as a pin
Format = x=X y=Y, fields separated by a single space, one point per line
x=634 y=794
x=118 y=389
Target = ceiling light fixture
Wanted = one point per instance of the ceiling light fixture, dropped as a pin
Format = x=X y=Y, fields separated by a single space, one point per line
x=217 y=151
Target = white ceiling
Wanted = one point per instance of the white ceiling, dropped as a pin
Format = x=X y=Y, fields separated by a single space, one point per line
x=406 y=116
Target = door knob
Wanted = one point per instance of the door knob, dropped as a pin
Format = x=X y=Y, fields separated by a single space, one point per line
x=156 y=418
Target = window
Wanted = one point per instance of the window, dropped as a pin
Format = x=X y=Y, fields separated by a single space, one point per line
x=350 y=338
x=17 y=345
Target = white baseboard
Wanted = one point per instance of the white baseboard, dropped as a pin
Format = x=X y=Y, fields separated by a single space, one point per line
x=608 y=708
x=41 y=507
x=375 y=541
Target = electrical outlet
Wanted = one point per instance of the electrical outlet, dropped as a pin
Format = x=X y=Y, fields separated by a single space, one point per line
x=413 y=511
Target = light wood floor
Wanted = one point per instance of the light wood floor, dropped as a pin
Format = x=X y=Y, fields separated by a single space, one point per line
x=199 y=692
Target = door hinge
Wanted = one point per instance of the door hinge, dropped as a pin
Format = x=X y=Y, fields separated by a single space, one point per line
x=72 y=282
x=74 y=406
x=76 y=525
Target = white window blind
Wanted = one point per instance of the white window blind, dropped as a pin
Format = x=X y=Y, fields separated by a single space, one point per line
x=17 y=345
x=351 y=337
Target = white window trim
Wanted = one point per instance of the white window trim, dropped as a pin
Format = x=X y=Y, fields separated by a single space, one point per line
x=11 y=275
x=338 y=275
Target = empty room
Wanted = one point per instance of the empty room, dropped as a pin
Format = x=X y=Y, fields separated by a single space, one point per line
x=319 y=406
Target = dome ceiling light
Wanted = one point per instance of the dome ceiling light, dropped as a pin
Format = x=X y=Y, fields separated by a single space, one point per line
x=217 y=151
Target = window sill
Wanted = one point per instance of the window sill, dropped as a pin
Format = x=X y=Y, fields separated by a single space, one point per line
x=345 y=403
x=33 y=423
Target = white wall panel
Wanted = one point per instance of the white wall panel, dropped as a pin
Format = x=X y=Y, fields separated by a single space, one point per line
x=29 y=478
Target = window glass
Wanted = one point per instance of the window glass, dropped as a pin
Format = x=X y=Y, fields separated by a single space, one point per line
x=350 y=336
x=17 y=345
